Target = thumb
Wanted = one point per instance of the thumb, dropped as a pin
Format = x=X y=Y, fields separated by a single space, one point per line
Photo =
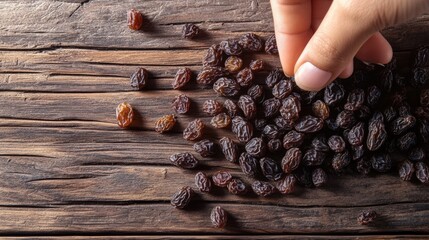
x=344 y=29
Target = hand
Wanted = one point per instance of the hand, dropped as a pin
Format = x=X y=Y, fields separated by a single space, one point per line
x=317 y=39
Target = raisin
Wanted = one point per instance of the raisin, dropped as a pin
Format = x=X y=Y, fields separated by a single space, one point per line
x=366 y=217
x=190 y=30
x=245 y=77
x=377 y=133
x=242 y=129
x=183 y=76
x=260 y=123
x=212 y=107
x=340 y=161
x=247 y=105
x=256 y=147
x=229 y=149
x=209 y=75
x=271 y=107
x=417 y=154
x=424 y=97
x=309 y=124
x=291 y=160
x=251 y=42
x=274 y=77
x=406 y=170
x=221 y=178
x=206 y=148
x=424 y=130
x=184 y=160
x=134 y=19
x=319 y=143
x=124 y=114
x=274 y=145
x=218 y=217
x=420 y=77
x=256 y=65
x=139 y=79
x=373 y=96
x=358 y=152
x=319 y=177
x=231 y=47
x=406 y=141
x=226 y=87
x=231 y=108
x=282 y=89
x=287 y=184
x=422 y=172
x=283 y=124
x=271 y=45
x=320 y=109
x=194 y=130
x=356 y=135
x=165 y=123
x=292 y=139
x=233 y=64
x=336 y=143
x=402 y=124
x=345 y=119
x=213 y=56
x=203 y=182
x=270 y=169
x=263 y=189
x=422 y=57
x=271 y=131
x=249 y=165
x=237 y=187
x=381 y=162
x=256 y=92
x=181 y=104
x=363 y=166
x=290 y=109
x=182 y=198
x=334 y=93
x=312 y=157
x=389 y=114
x=355 y=99
x=386 y=80
x=222 y=120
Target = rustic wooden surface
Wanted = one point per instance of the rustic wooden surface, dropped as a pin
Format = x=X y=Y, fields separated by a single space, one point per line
x=67 y=169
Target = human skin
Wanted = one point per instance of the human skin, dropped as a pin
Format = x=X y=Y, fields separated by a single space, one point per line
x=318 y=39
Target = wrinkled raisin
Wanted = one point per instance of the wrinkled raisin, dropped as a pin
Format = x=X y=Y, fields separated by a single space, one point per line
x=233 y=64
x=221 y=178
x=356 y=135
x=218 y=217
x=292 y=139
x=309 y=124
x=320 y=144
x=245 y=77
x=402 y=124
x=249 y=165
x=406 y=141
x=181 y=104
x=247 y=105
x=229 y=149
x=377 y=133
x=226 y=87
x=206 y=148
x=271 y=131
x=271 y=45
x=417 y=154
x=194 y=130
x=274 y=77
x=282 y=89
x=290 y=109
x=320 y=109
x=256 y=147
x=213 y=56
x=263 y=189
x=231 y=47
x=275 y=145
x=212 y=107
x=237 y=187
x=422 y=172
x=209 y=75
x=183 y=76
x=256 y=65
x=134 y=19
x=222 y=120
x=182 y=198
x=139 y=79
x=334 y=93
x=124 y=115
x=336 y=143
x=406 y=170
x=381 y=162
x=319 y=177
x=256 y=92
x=165 y=123
x=355 y=99
x=190 y=30
x=251 y=42
x=312 y=157
x=287 y=184
x=184 y=160
x=203 y=182
x=291 y=160
x=340 y=161
x=345 y=119
x=271 y=107
x=242 y=129
x=231 y=108
x=270 y=169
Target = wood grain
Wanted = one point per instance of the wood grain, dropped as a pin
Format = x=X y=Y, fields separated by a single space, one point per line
x=66 y=168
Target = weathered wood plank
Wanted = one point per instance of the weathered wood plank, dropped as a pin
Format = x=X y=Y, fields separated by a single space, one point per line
x=245 y=218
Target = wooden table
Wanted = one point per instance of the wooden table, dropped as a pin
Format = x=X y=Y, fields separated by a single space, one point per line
x=67 y=169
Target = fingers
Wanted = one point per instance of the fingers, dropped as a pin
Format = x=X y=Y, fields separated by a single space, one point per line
x=375 y=50
x=292 y=24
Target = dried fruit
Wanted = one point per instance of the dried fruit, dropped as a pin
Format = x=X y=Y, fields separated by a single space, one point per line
x=319 y=177
x=124 y=115
x=320 y=109
x=355 y=99
x=203 y=182
x=340 y=161
x=222 y=120
x=237 y=187
x=282 y=89
x=275 y=145
x=226 y=87
x=247 y=105
x=245 y=77
x=336 y=143
x=263 y=189
x=406 y=170
x=218 y=217
x=356 y=135
x=402 y=124
x=271 y=45
x=292 y=139
x=206 y=148
x=190 y=30
x=184 y=160
x=256 y=147
x=377 y=133
x=229 y=149
x=256 y=65
x=242 y=129
x=139 y=79
x=221 y=178
x=165 y=123
x=345 y=119
x=271 y=131
x=251 y=42
x=231 y=47
x=309 y=124
x=417 y=154
x=134 y=19
x=287 y=184
x=181 y=104
x=231 y=108
x=291 y=160
x=290 y=108
x=312 y=157
x=182 y=198
x=274 y=77
x=183 y=76
x=209 y=75
x=233 y=64
x=366 y=217
x=381 y=162
x=194 y=130
x=212 y=107
x=270 y=169
x=249 y=165
x=213 y=56
x=422 y=172
x=271 y=107
x=334 y=93
x=256 y=92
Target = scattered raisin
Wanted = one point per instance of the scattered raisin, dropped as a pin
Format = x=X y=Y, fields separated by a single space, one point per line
x=218 y=217
x=226 y=87
x=212 y=107
x=242 y=129
x=183 y=76
x=309 y=124
x=292 y=139
x=181 y=104
x=165 y=123
x=270 y=169
x=221 y=178
x=245 y=77
x=249 y=165
x=194 y=130
x=139 y=79
x=247 y=105
x=271 y=45
x=319 y=177
x=231 y=47
x=287 y=184
x=182 y=198
x=251 y=42
x=190 y=30
x=134 y=19
x=124 y=114
x=256 y=147
x=184 y=160
x=336 y=143
x=206 y=148
x=203 y=182
x=237 y=187
x=291 y=160
x=229 y=149
x=213 y=56
x=233 y=64
x=406 y=170
x=256 y=65
x=422 y=172
x=210 y=74
x=222 y=120
x=263 y=189
x=320 y=109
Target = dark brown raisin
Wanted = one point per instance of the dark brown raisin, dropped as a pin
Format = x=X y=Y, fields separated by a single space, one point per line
x=231 y=108
x=251 y=42
x=209 y=75
x=424 y=130
x=373 y=95
x=358 y=152
x=420 y=77
x=283 y=124
x=287 y=184
x=275 y=145
x=336 y=143
x=290 y=109
x=184 y=160
x=319 y=177
x=218 y=217
x=417 y=154
x=229 y=149
x=139 y=79
x=181 y=104
x=292 y=139
x=221 y=178
x=389 y=113
x=271 y=131
x=237 y=187
x=249 y=165
x=124 y=115
x=256 y=147
x=312 y=157
x=183 y=76
x=231 y=47
x=345 y=119
x=406 y=141
x=274 y=77
x=203 y=183
x=309 y=124
x=194 y=130
x=406 y=170
x=422 y=172
x=334 y=93
x=386 y=80
x=320 y=144
x=256 y=65
x=213 y=56
x=242 y=129
x=206 y=148
x=245 y=77
x=270 y=169
x=256 y=92
x=182 y=198
x=363 y=166
x=355 y=99
x=134 y=19
x=233 y=64
x=291 y=160
x=190 y=30
x=282 y=89
x=226 y=87
x=381 y=162
x=320 y=109
x=340 y=161
x=222 y=120
x=377 y=133
x=402 y=124
x=263 y=189
x=212 y=107
x=366 y=217
x=247 y=105
x=356 y=135
x=271 y=107
x=165 y=123
x=271 y=45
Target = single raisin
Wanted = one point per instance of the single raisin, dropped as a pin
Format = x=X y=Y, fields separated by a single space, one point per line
x=406 y=170
x=420 y=77
x=406 y=141
x=274 y=77
x=218 y=217
x=290 y=109
x=402 y=124
x=256 y=92
x=345 y=119
x=334 y=93
x=282 y=89
x=340 y=161
x=270 y=169
x=263 y=189
x=181 y=104
x=373 y=95
x=292 y=139
x=221 y=178
x=319 y=177
x=417 y=154
x=203 y=183
x=381 y=162
x=222 y=120
x=336 y=143
x=319 y=143
x=231 y=108
x=356 y=135
x=139 y=79
x=183 y=76
x=358 y=152
x=291 y=160
x=190 y=30
x=134 y=19
x=275 y=145
x=213 y=56
x=124 y=115
x=245 y=77
x=363 y=166
x=226 y=87
x=251 y=42
x=249 y=165
x=287 y=184
x=210 y=74
x=165 y=123
x=231 y=47
x=283 y=124
x=247 y=105
x=422 y=57
x=320 y=109
x=312 y=157
x=237 y=187
x=309 y=124
x=242 y=129
x=256 y=65
x=194 y=130
x=366 y=217
x=212 y=107
x=271 y=131
x=233 y=64
x=206 y=148
x=229 y=149
x=355 y=99
x=271 y=45
x=377 y=133
x=271 y=107
x=256 y=147
x=424 y=97
x=422 y=172
x=390 y=113
x=182 y=198
x=184 y=160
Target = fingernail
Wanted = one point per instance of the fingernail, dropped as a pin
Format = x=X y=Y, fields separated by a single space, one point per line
x=311 y=78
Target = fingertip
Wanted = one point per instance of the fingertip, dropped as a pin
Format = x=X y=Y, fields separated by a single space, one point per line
x=347 y=71
x=311 y=78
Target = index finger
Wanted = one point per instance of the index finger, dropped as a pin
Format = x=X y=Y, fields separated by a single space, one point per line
x=292 y=25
